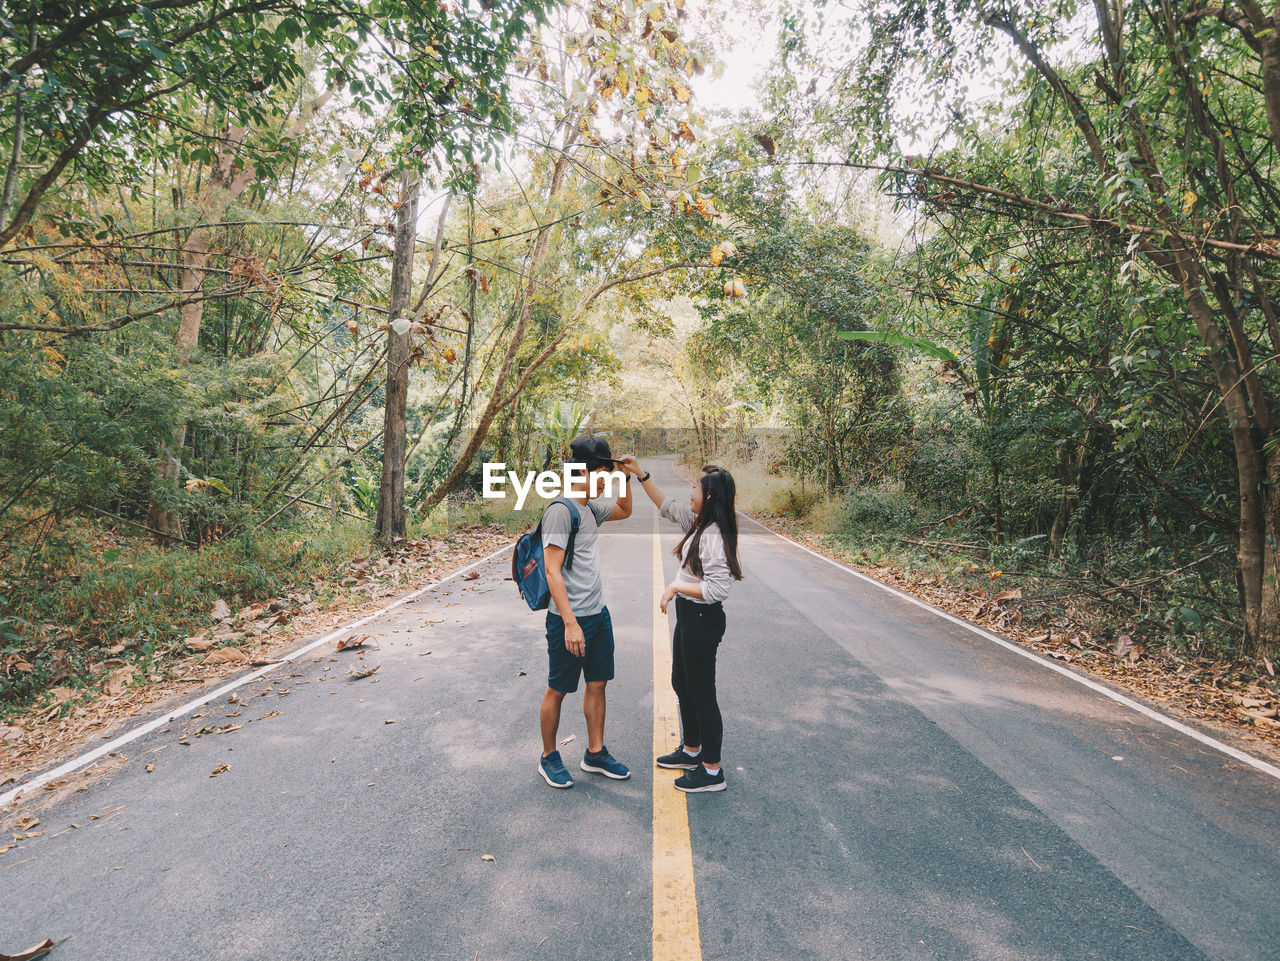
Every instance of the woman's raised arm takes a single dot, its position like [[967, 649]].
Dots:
[[632, 466]]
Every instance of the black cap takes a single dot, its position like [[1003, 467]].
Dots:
[[591, 450]]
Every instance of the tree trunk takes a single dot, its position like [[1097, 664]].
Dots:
[[391, 521]]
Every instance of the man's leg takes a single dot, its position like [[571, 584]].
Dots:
[[593, 708], [549, 718]]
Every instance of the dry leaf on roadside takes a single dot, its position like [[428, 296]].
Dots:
[[352, 642], [220, 769], [34, 951], [227, 655], [1013, 595], [1127, 646], [221, 610], [356, 675], [1261, 717], [488, 857], [119, 680], [200, 642], [62, 694]]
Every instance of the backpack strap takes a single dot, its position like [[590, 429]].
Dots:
[[575, 519]]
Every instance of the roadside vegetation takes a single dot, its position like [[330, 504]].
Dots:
[[106, 611], [985, 296]]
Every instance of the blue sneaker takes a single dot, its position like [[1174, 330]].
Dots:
[[553, 771], [606, 764]]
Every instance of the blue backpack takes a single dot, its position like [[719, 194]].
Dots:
[[529, 567]]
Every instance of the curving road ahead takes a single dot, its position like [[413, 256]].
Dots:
[[900, 787]]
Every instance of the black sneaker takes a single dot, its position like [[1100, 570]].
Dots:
[[677, 760], [699, 780]]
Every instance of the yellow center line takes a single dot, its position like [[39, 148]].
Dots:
[[675, 906]]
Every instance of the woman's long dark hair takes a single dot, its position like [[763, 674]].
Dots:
[[718, 492]]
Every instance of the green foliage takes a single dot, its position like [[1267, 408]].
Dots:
[[112, 87], [900, 340], [77, 423], [77, 598]]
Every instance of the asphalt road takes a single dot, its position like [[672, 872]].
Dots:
[[899, 788]]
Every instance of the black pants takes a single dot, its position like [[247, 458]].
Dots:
[[699, 630]]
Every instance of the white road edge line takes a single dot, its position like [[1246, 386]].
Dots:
[[75, 764], [1142, 709]]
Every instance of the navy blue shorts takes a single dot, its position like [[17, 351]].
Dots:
[[597, 665]]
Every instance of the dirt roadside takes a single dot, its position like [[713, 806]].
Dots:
[[258, 634]]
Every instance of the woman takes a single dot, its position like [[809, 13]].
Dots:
[[708, 555]]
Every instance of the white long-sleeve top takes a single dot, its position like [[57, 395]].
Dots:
[[716, 578]]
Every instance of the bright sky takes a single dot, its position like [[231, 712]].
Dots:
[[747, 46]]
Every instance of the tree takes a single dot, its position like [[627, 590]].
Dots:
[[1167, 117], [596, 185]]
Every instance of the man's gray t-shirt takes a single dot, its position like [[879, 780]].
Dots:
[[581, 581]]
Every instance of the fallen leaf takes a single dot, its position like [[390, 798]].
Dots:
[[472, 576], [227, 655], [352, 642], [356, 675], [488, 857], [389, 721], [1126, 645], [118, 680], [200, 642], [34, 951], [571, 737], [150, 768], [1013, 595], [1259, 715], [62, 694], [220, 769], [221, 610]]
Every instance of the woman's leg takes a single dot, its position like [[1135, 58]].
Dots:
[[701, 641], [680, 684]]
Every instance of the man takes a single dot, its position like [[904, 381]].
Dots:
[[579, 631]]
